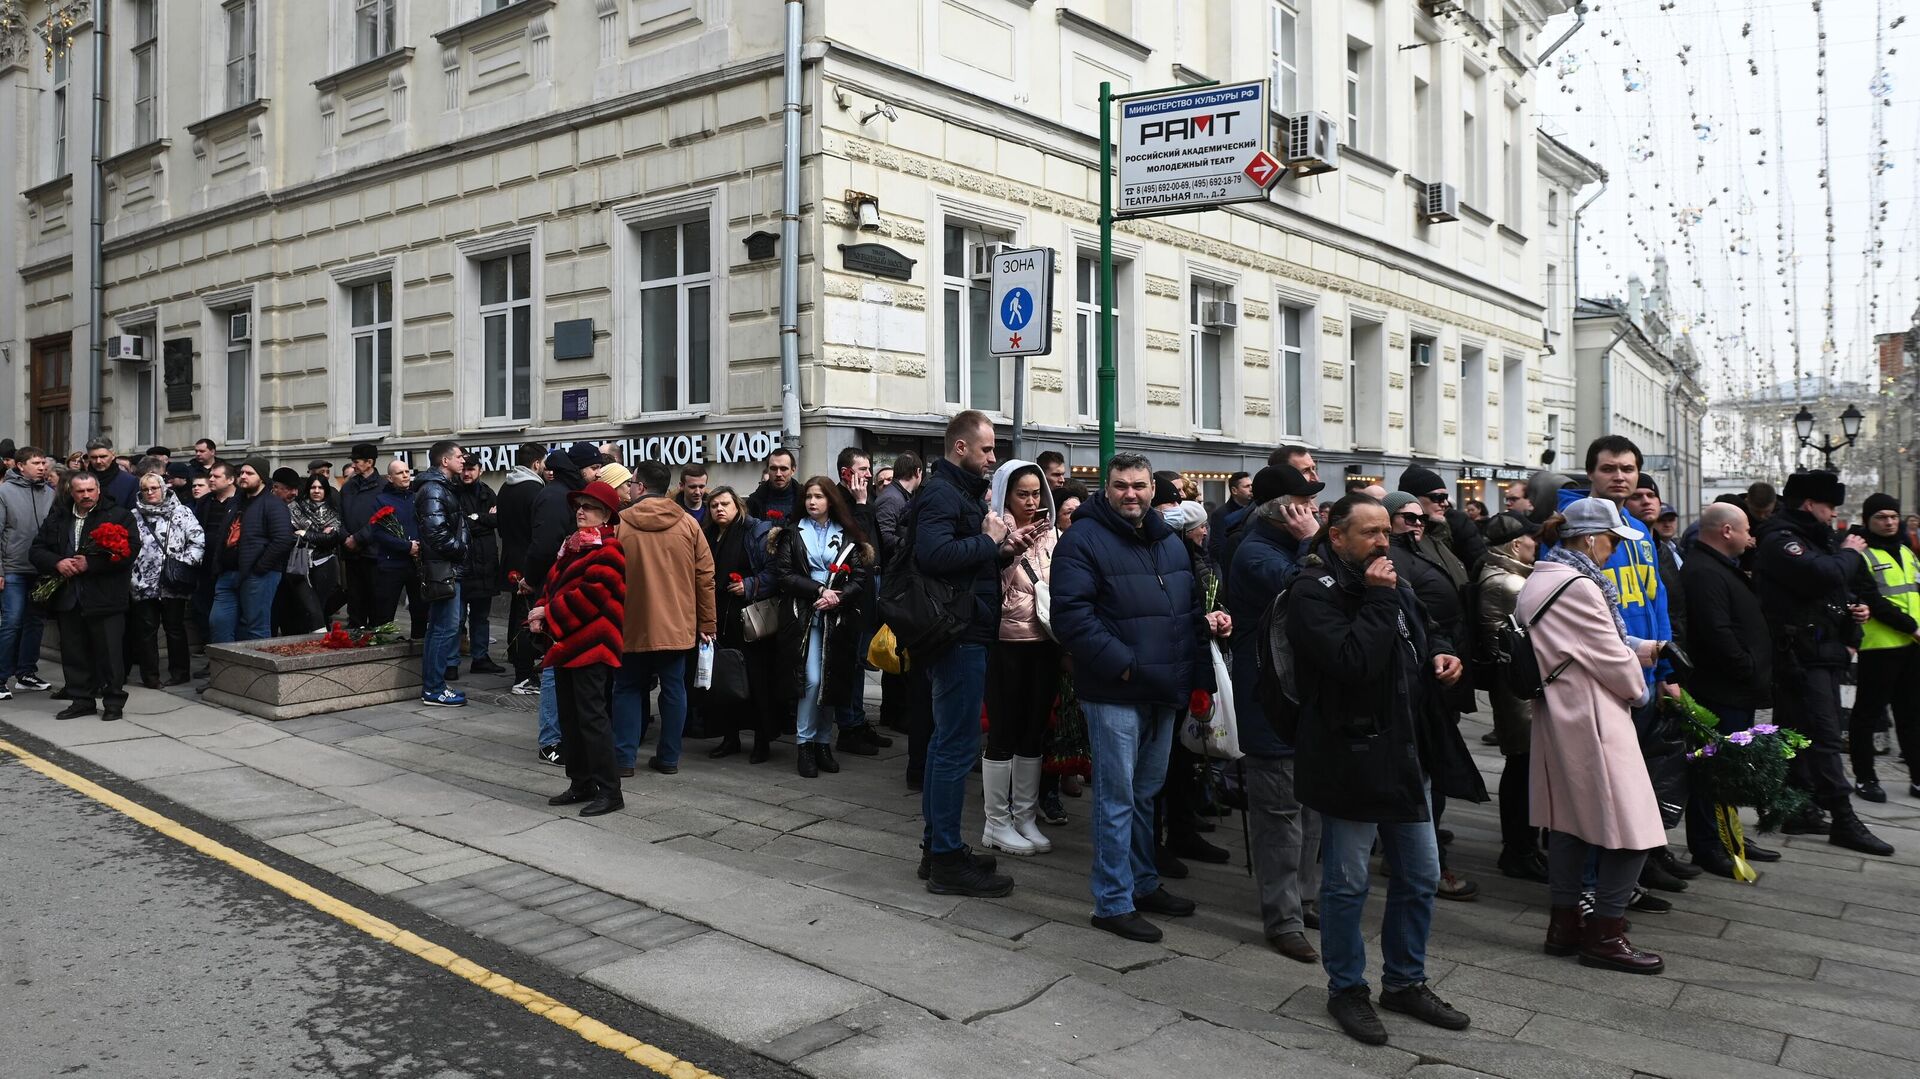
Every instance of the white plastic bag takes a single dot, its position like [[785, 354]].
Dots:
[[1214, 735], [703, 666]]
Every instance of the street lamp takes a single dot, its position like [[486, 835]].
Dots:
[[1849, 427]]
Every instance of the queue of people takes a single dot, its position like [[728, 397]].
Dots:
[[1077, 629]]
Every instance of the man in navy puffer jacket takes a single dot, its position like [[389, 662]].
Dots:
[[1126, 606]]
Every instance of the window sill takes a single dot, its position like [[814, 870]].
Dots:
[[678, 415], [144, 152], [256, 107], [391, 60], [41, 192], [520, 9], [1365, 158], [1474, 215], [502, 424], [1512, 234]]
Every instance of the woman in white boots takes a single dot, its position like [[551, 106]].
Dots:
[[1023, 670]]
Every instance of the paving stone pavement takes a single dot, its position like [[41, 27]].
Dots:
[[783, 914]]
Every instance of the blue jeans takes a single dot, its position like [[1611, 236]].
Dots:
[[1413, 855], [1130, 746], [806, 710], [549, 709], [479, 626], [20, 628], [442, 646], [959, 685], [242, 607], [630, 713]]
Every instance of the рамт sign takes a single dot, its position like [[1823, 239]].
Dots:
[[1189, 149]]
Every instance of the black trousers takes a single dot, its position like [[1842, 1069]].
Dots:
[[1516, 793], [91, 659], [388, 586], [1807, 699], [1022, 679], [296, 609], [916, 691], [359, 576], [519, 645], [1885, 680], [152, 619], [586, 727]]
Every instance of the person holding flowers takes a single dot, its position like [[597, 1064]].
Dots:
[[84, 553], [823, 563], [1589, 784]]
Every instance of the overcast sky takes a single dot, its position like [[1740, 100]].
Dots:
[[1696, 152]]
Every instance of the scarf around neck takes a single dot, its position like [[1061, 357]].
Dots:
[[1573, 559]]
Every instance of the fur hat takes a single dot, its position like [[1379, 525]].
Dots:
[[1818, 485]]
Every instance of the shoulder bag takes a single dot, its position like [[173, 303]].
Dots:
[[928, 615], [437, 580], [1042, 597]]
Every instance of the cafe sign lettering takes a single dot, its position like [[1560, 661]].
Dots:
[[707, 447]]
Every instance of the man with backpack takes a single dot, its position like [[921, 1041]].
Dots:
[[1283, 836]]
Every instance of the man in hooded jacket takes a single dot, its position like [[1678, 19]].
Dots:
[[1889, 646]]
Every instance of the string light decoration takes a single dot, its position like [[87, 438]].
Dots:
[[55, 29]]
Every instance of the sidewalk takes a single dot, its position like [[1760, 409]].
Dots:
[[783, 914]]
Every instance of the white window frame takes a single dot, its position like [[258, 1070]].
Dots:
[[1553, 206], [62, 79], [1473, 138], [958, 370], [247, 61], [471, 337], [1299, 354], [1552, 289], [217, 375], [1375, 423], [385, 15], [1201, 290], [343, 337], [1358, 102], [684, 282], [507, 310], [382, 365], [1085, 380], [628, 222], [146, 55], [1512, 155], [1430, 378], [1283, 57], [1473, 400], [1513, 407], [1128, 335], [145, 377]]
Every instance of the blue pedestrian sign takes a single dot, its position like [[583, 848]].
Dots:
[[1023, 301]]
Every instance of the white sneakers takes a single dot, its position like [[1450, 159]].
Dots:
[[1012, 793]]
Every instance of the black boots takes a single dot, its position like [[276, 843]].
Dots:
[[1847, 831], [957, 873]]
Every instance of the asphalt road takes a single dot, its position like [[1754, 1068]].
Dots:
[[126, 954]]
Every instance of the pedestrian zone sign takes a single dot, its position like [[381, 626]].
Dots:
[[1193, 148], [1022, 314]]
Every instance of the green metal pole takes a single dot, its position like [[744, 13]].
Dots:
[[1109, 323]]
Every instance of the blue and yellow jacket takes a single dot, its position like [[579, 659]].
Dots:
[[1635, 572]]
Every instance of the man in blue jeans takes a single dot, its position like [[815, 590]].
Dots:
[[25, 500], [1128, 610], [955, 541], [441, 552], [1366, 664], [669, 611], [250, 547]]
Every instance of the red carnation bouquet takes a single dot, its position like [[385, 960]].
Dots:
[[384, 519], [109, 541], [776, 515]]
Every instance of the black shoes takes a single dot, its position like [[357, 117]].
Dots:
[[453, 673], [663, 767], [1523, 863], [1653, 875], [1192, 846], [729, 746], [762, 749], [550, 755], [75, 710], [1757, 853], [602, 805], [986, 862], [1714, 860], [1170, 867], [1672, 864], [823, 757], [1871, 790], [958, 873], [570, 796], [110, 714], [1353, 1010], [1161, 901], [1647, 903], [805, 762], [485, 666], [1848, 832], [1809, 821], [1129, 925], [1295, 947], [857, 741], [1420, 1002], [1310, 913]]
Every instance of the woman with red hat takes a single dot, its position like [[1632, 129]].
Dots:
[[583, 608]]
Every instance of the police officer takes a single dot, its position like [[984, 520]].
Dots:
[[1889, 645], [1801, 577]]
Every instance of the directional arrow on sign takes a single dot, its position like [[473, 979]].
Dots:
[[1263, 169]]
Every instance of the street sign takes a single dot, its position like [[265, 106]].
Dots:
[[1264, 169], [1021, 322], [1192, 148]]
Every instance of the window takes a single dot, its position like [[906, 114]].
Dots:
[[61, 69], [1367, 383], [146, 33], [373, 29], [1510, 157], [1359, 94], [1425, 144], [240, 53], [145, 384], [1473, 144], [1473, 402], [1086, 337], [1206, 343], [506, 334], [371, 308], [1553, 207], [237, 325], [972, 374], [1283, 48], [1290, 358], [489, 6], [1513, 409], [676, 317], [1553, 298], [1423, 397]]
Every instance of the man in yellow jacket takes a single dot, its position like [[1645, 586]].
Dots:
[[670, 609], [1889, 649]]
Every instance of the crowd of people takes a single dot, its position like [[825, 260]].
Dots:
[[1057, 639]]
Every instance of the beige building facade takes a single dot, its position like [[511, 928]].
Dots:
[[392, 220]]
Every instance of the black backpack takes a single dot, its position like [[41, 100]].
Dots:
[[1277, 680], [1519, 666], [928, 616]]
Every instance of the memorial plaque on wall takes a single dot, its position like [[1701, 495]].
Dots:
[[176, 371]]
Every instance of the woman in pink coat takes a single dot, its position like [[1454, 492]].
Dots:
[[1589, 782]]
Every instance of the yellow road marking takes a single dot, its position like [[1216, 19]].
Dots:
[[648, 1056]]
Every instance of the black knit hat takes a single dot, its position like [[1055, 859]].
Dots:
[[1421, 480], [287, 477], [1648, 483], [1879, 503]]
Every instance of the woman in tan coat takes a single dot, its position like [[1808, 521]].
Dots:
[[1503, 571], [1589, 783]]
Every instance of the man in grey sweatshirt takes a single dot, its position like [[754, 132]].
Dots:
[[26, 497]]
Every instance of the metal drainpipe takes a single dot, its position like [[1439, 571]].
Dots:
[[1576, 242], [97, 298], [790, 235], [1580, 19]]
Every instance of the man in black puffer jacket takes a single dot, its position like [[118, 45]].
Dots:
[[480, 580], [954, 541], [518, 493], [569, 470], [443, 554]]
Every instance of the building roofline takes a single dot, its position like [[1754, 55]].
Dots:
[[1572, 160]]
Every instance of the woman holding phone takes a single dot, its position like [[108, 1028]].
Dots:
[[1023, 672]]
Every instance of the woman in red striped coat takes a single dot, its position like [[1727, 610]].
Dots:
[[583, 607]]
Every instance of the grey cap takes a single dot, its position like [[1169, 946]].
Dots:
[[1592, 516]]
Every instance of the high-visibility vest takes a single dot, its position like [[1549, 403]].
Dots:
[[1898, 576]]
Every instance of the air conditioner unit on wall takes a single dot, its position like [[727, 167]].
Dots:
[[1312, 144], [1422, 354], [127, 349], [980, 259], [240, 326], [1439, 202], [1219, 314]]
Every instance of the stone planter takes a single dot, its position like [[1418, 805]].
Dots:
[[287, 687]]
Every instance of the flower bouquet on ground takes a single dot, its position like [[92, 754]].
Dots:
[[1068, 751], [1741, 768], [109, 541]]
